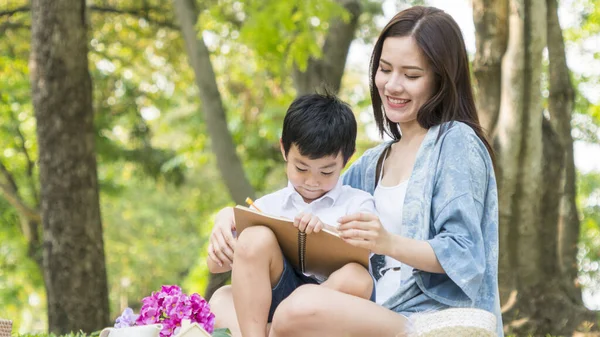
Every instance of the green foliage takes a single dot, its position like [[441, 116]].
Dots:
[[586, 128], [281, 33], [589, 240], [582, 37]]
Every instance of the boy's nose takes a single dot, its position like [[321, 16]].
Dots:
[[311, 182]]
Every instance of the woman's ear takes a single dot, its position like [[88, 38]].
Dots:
[[282, 149]]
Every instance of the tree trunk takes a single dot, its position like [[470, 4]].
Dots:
[[73, 254], [561, 102], [491, 25], [538, 219], [328, 70], [228, 162], [520, 139], [491, 35]]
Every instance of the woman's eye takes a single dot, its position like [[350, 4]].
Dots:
[[385, 71], [300, 170], [412, 77]]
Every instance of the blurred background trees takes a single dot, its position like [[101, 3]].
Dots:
[[188, 99]]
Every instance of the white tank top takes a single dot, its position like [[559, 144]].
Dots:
[[388, 272]]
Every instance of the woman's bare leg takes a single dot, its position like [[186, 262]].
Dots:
[[313, 310], [257, 267], [351, 279], [221, 304]]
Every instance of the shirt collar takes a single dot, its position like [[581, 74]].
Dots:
[[332, 195]]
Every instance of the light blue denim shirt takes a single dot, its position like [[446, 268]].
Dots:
[[452, 203]]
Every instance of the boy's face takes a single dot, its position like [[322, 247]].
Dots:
[[312, 178]]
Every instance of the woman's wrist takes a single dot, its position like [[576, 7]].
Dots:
[[393, 245]]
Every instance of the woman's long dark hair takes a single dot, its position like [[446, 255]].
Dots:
[[439, 38]]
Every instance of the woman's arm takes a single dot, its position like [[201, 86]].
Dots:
[[416, 253], [365, 230]]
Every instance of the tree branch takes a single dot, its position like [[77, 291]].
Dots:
[[222, 143], [143, 13], [136, 12], [9, 178], [329, 69], [30, 163], [14, 11], [10, 192]]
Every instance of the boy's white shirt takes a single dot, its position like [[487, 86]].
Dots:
[[341, 200]]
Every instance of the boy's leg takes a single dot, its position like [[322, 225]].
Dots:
[[257, 267], [221, 304], [352, 279]]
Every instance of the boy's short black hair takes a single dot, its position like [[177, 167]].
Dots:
[[320, 125]]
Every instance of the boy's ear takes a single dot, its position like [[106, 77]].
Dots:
[[282, 149]]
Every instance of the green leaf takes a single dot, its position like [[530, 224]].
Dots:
[[223, 332]]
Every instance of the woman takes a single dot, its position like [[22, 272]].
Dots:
[[435, 242]]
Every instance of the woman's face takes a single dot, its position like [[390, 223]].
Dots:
[[404, 79]]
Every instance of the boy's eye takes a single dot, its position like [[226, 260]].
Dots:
[[300, 170], [327, 173]]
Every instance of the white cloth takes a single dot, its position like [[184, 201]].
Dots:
[[391, 273], [341, 200]]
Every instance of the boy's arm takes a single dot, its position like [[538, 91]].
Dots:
[[214, 268], [222, 242], [365, 204]]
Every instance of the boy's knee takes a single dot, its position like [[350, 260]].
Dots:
[[220, 295], [354, 279], [254, 241], [296, 309]]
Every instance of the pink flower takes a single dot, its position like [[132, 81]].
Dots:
[[170, 306]]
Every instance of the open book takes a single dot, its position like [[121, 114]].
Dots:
[[318, 254]]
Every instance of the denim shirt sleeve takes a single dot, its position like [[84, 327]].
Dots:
[[457, 210], [354, 175], [362, 173]]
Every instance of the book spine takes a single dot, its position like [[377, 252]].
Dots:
[[302, 250]]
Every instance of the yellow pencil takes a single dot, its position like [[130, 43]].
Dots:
[[251, 203]]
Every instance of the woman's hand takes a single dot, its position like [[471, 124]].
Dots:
[[222, 242], [308, 223], [365, 230]]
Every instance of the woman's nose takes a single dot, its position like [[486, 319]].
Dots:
[[394, 85]]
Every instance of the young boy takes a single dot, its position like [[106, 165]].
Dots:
[[318, 139]]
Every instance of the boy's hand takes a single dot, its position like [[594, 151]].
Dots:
[[308, 223], [222, 242]]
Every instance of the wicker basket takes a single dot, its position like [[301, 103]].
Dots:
[[5, 328], [464, 322]]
